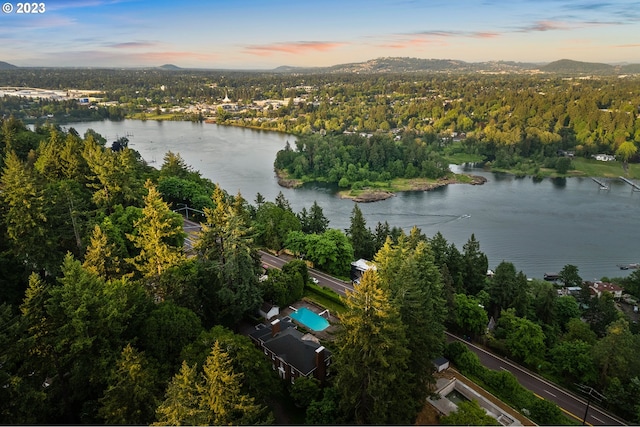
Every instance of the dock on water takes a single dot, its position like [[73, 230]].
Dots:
[[635, 186], [603, 186]]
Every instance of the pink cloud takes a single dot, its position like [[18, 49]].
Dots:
[[484, 35], [632, 45], [293, 48], [432, 38], [410, 43]]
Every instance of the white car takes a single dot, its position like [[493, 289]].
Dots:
[[314, 280]]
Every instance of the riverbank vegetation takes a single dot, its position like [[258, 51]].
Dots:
[[98, 282], [533, 124]]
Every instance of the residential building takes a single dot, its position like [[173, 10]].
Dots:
[[292, 353], [599, 288]]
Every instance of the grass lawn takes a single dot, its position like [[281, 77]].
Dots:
[[596, 168], [332, 306]]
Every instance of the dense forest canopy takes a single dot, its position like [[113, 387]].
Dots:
[[506, 118]]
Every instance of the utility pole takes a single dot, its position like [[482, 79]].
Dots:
[[591, 394]]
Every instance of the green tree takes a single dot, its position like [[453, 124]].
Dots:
[[24, 213], [114, 176], [77, 330], [469, 316], [159, 237], [181, 405], [226, 241], [476, 265], [314, 221], [101, 258], [330, 251], [567, 308], [415, 284], [360, 236], [616, 353], [324, 411], [523, 338], [569, 276], [625, 151], [508, 289], [166, 331], [545, 413], [221, 398], [372, 356], [573, 361], [273, 224], [601, 312], [130, 397], [259, 380], [577, 330], [304, 391]]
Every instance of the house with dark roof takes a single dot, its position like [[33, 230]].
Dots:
[[292, 353]]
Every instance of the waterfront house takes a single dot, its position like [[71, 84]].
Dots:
[[599, 288], [292, 353]]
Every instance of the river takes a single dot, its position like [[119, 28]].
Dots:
[[538, 226]]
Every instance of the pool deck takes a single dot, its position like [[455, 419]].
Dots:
[[328, 334]]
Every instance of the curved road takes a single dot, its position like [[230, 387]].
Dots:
[[570, 404]]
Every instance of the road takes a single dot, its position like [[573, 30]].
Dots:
[[324, 279], [570, 404]]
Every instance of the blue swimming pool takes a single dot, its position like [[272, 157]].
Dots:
[[309, 319]]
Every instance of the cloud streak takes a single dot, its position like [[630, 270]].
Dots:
[[133, 45], [295, 48]]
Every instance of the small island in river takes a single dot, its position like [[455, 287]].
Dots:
[[384, 190]]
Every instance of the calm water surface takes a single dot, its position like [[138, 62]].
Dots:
[[538, 226]]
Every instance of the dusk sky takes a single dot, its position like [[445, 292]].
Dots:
[[253, 34]]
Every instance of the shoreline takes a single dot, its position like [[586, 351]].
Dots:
[[374, 195], [369, 194]]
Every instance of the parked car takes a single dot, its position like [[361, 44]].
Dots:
[[314, 280]]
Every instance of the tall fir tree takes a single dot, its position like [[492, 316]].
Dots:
[[221, 397], [159, 236], [181, 405], [415, 287], [361, 237], [226, 242], [130, 397], [372, 358], [475, 267], [24, 215], [101, 258]]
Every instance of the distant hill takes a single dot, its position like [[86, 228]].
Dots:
[[577, 67], [405, 65], [408, 65], [630, 69], [169, 67], [7, 66]]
